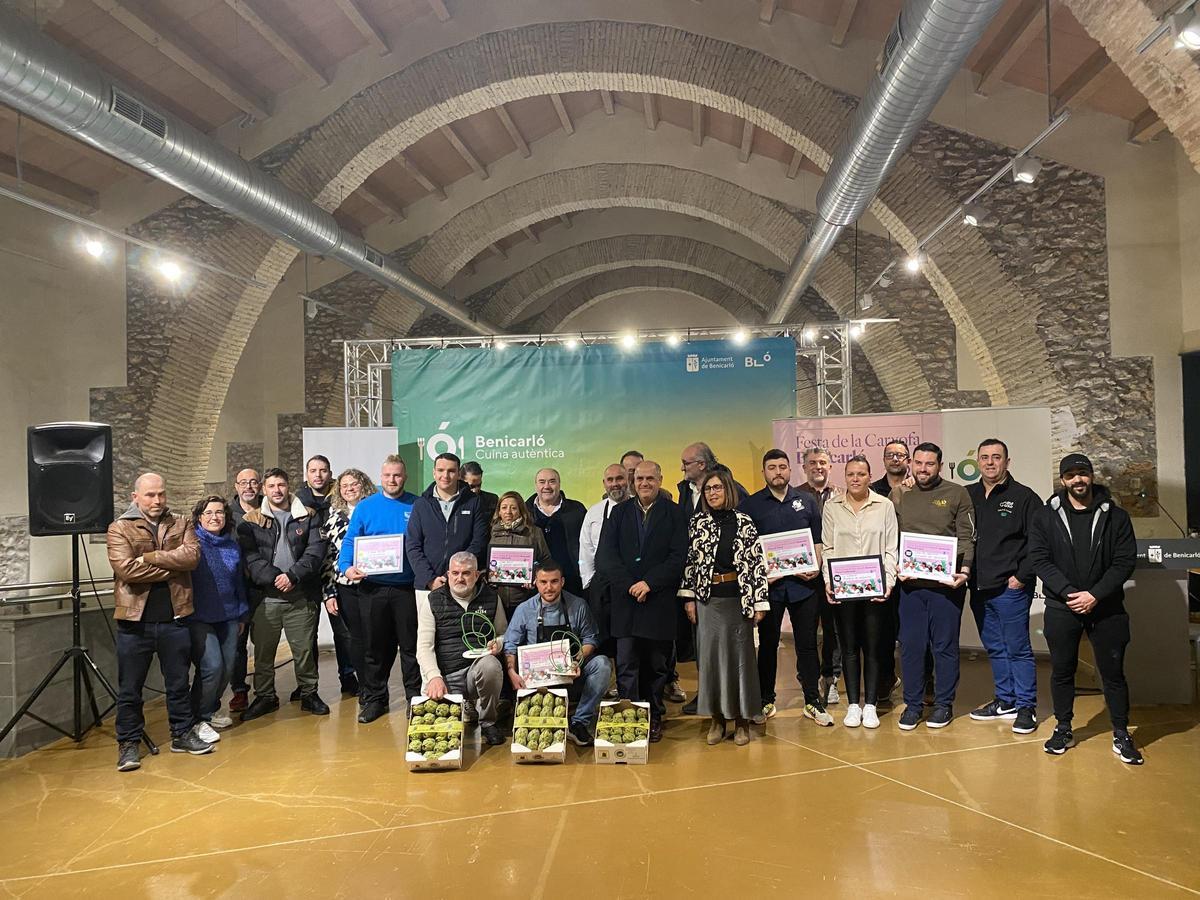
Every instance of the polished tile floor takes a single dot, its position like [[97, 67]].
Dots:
[[293, 806]]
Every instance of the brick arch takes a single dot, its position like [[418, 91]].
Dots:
[[176, 406]]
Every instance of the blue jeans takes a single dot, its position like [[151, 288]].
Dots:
[[214, 646], [930, 616], [137, 645], [590, 684], [1002, 615]]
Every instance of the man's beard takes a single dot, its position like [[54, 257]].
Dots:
[[462, 594], [616, 496]]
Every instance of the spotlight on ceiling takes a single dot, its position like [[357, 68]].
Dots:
[[885, 280], [856, 330], [867, 301], [1185, 29], [673, 340], [740, 336], [1025, 169], [975, 215], [629, 340], [810, 334], [93, 247], [913, 263], [498, 345], [571, 343], [170, 270]]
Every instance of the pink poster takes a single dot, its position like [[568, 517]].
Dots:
[[846, 436]]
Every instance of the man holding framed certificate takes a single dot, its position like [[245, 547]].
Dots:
[[937, 548]]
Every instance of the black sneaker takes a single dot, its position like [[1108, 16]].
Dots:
[[1124, 747], [689, 708], [190, 742], [580, 735], [260, 706], [371, 711], [940, 717], [910, 717], [1026, 721], [1061, 741], [128, 757], [993, 710], [492, 735], [314, 704]]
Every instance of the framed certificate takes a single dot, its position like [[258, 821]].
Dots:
[[510, 565], [857, 578], [789, 553], [928, 556], [379, 555], [545, 664]]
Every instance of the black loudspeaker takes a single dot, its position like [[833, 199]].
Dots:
[[70, 478]]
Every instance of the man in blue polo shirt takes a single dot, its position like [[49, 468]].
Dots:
[[780, 507], [388, 606]]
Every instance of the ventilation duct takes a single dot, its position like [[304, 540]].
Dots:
[[920, 57], [47, 82]]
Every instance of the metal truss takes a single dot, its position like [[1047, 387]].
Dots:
[[366, 362]]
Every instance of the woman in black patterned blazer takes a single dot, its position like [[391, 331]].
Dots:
[[725, 594]]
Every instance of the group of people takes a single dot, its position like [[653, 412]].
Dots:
[[642, 580]]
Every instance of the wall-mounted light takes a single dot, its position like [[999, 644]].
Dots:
[[170, 270], [310, 309], [1185, 29], [913, 263], [1025, 169], [976, 215], [94, 247], [866, 301]]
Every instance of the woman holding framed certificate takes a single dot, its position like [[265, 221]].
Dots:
[[860, 533], [510, 530], [725, 595]]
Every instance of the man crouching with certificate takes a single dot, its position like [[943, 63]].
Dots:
[[540, 619]]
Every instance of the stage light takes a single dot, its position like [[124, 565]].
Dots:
[[170, 270], [867, 300], [629, 340], [672, 340], [498, 345], [975, 215], [810, 334], [310, 308], [1185, 28], [856, 330], [914, 262], [571, 343], [885, 280], [93, 248], [1025, 169], [740, 336]]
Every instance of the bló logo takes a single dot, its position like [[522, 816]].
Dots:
[[752, 363], [443, 442], [965, 469]]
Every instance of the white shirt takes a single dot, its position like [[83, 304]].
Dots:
[[427, 631], [872, 531], [589, 538]]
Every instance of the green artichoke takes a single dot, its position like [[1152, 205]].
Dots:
[[441, 747], [442, 709], [523, 708], [628, 736], [560, 711], [559, 736], [428, 745], [606, 713], [521, 735]]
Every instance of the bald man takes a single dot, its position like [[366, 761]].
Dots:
[[152, 553], [248, 497], [561, 521]]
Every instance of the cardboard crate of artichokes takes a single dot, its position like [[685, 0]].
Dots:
[[623, 726], [435, 727], [540, 720]]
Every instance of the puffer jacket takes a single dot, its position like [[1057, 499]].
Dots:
[[258, 535], [518, 534], [169, 553]]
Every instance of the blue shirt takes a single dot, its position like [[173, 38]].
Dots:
[[523, 627], [797, 509], [378, 514]]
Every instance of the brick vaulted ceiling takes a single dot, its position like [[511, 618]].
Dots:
[[455, 123]]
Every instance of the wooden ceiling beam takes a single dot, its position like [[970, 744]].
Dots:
[[606, 100], [793, 168], [1145, 127], [1021, 29], [747, 141], [440, 10], [845, 19], [565, 219], [1081, 84], [531, 234], [34, 128], [364, 25], [420, 177], [564, 117], [77, 197], [464, 151], [697, 123], [187, 58], [766, 10], [650, 110], [388, 207], [513, 131], [283, 45]]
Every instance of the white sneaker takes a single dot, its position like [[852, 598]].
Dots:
[[220, 721], [853, 716], [831, 695], [207, 733], [870, 718]]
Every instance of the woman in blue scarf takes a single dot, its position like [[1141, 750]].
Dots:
[[221, 609]]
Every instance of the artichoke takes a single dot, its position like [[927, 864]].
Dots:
[[440, 720], [442, 709], [628, 736], [441, 747], [415, 745], [560, 711], [523, 708], [521, 735], [428, 745], [452, 741], [606, 713], [643, 715], [430, 754], [559, 736]]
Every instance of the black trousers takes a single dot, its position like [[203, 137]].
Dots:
[[388, 613], [643, 671], [1108, 630], [890, 628], [341, 642], [350, 614], [803, 615], [137, 645], [860, 623]]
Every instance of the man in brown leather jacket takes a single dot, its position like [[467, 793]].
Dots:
[[152, 553]]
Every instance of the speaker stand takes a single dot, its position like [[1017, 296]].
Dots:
[[83, 669]]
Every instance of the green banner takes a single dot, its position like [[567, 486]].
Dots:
[[519, 409]]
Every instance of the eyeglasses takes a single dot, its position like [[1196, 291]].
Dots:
[[213, 514], [248, 482], [895, 456], [714, 488], [690, 462]]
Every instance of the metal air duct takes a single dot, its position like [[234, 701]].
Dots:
[[48, 82], [925, 49]]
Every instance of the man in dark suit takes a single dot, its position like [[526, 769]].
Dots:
[[643, 548]]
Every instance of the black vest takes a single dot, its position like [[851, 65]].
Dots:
[[448, 620]]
